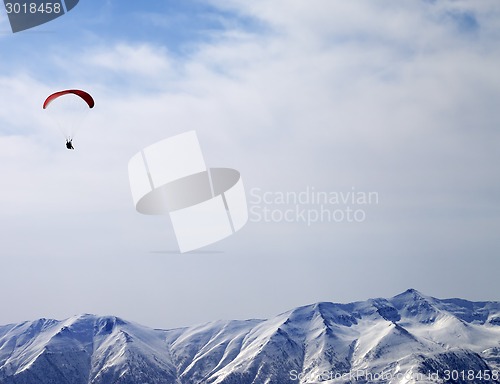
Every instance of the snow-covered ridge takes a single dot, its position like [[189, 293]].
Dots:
[[404, 339]]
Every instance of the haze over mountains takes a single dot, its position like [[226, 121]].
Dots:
[[408, 338]]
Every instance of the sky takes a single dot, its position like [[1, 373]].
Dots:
[[366, 134]]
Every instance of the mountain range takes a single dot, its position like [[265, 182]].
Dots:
[[409, 338]]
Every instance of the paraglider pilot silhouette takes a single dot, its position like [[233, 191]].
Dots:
[[69, 108]]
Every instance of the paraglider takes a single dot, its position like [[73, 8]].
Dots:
[[68, 108]]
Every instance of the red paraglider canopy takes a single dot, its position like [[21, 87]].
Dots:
[[84, 95]]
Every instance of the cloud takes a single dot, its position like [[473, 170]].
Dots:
[[142, 60], [397, 98], [364, 86], [360, 78]]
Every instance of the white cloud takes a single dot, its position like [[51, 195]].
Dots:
[[141, 59], [381, 96], [347, 82]]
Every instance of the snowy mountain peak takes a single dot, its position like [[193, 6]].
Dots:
[[106, 325], [407, 333], [409, 296], [414, 304]]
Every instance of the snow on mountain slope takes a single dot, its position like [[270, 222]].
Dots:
[[83, 349], [406, 339], [200, 351]]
